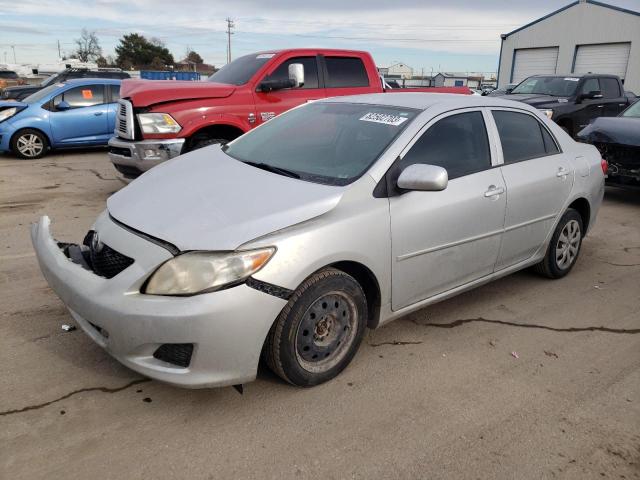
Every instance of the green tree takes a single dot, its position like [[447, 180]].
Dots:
[[194, 57], [135, 50], [88, 46]]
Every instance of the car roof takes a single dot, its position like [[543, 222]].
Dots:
[[89, 80], [422, 101]]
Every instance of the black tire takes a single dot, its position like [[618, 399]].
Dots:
[[36, 139], [202, 142], [551, 266], [302, 330]]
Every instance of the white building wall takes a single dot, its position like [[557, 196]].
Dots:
[[581, 24], [400, 69]]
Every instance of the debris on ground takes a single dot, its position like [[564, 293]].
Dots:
[[492, 342], [597, 286], [68, 328], [514, 354], [549, 353]]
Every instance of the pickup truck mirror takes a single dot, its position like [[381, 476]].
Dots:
[[593, 94], [426, 178], [509, 90], [296, 74]]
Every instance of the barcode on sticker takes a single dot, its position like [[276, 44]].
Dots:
[[385, 118]]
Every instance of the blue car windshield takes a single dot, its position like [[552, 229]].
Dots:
[[40, 94]]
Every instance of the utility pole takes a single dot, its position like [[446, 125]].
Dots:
[[230, 25], [59, 55], [13, 47]]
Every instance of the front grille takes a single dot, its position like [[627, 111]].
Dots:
[[128, 171], [175, 353], [103, 259], [124, 122]]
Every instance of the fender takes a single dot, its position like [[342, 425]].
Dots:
[[215, 120]]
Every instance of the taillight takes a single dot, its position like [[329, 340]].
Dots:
[[604, 165]]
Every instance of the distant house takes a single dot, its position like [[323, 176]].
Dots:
[[449, 80], [397, 70]]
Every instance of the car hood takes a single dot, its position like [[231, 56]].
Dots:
[[206, 200], [150, 92], [534, 100], [619, 130]]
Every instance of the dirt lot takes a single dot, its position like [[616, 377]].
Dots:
[[437, 394]]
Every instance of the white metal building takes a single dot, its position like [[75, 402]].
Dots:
[[400, 70], [584, 36]]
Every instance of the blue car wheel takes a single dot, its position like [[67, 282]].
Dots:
[[29, 144]]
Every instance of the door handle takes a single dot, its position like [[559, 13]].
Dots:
[[493, 191], [562, 172], [98, 113], [600, 106]]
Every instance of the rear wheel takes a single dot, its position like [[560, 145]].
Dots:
[[564, 247], [30, 144], [319, 331]]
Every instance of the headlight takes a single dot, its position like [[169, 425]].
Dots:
[[158, 123], [548, 113], [7, 113], [202, 272]]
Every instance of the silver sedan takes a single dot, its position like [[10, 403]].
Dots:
[[337, 216]]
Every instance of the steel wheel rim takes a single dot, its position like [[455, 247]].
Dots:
[[30, 145], [568, 245], [326, 332]]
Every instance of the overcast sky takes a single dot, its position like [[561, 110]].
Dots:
[[444, 35]]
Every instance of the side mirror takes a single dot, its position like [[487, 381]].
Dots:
[[593, 94], [509, 90], [426, 178], [62, 106], [296, 74]]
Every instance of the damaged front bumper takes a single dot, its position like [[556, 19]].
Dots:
[[134, 157], [218, 336]]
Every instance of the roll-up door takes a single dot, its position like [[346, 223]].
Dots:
[[534, 61]]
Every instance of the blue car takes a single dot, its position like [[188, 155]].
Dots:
[[75, 113]]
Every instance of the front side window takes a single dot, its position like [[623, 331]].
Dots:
[[346, 72], [310, 71], [329, 143], [610, 88], [522, 137], [79, 97], [590, 85], [554, 86], [457, 143]]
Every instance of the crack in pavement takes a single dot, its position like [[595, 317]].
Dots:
[[395, 342], [621, 264], [92, 170], [457, 323], [75, 392]]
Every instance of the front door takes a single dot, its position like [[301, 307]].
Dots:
[[85, 121], [441, 240], [591, 107], [538, 177], [270, 104]]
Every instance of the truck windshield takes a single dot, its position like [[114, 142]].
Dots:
[[632, 111], [329, 143], [50, 80], [555, 86], [241, 69]]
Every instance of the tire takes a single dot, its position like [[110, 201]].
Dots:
[[29, 144], [202, 142], [319, 331], [564, 247]]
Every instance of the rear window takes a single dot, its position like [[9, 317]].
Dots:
[[346, 72]]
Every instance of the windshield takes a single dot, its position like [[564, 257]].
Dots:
[[40, 94], [330, 143], [555, 86], [241, 69], [50, 80], [8, 74], [632, 111]]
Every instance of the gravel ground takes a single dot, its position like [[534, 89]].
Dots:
[[434, 395]]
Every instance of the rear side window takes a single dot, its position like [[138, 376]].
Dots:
[[457, 143], [521, 136], [610, 88], [346, 72], [310, 71], [85, 96], [549, 145]]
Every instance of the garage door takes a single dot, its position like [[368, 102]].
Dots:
[[604, 58], [534, 61]]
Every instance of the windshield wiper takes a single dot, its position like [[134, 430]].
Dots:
[[273, 169]]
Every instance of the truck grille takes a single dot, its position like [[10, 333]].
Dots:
[[125, 127]]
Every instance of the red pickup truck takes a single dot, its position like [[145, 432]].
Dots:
[[158, 120]]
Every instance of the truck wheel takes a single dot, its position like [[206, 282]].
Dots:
[[205, 142], [318, 332], [564, 248], [29, 143]]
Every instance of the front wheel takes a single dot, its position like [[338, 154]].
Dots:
[[202, 142], [319, 331], [30, 144], [564, 247]]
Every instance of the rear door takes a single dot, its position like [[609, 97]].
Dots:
[[538, 177], [441, 240], [613, 97], [113, 95], [270, 104], [346, 76], [86, 121]]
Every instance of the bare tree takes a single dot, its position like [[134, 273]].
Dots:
[[88, 46]]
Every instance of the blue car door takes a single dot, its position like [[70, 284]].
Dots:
[[79, 116], [112, 107]]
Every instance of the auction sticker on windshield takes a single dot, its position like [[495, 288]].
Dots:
[[384, 118]]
